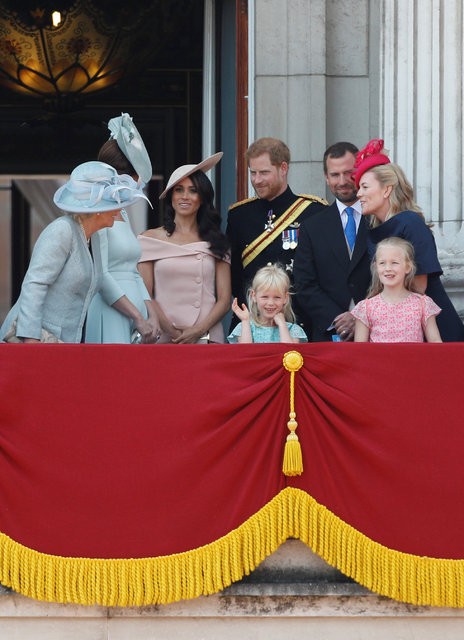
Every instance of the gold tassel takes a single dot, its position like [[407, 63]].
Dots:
[[293, 459]]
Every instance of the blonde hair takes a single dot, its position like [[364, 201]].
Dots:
[[402, 195], [270, 277], [408, 250]]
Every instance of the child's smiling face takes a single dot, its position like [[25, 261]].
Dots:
[[392, 266], [270, 302]]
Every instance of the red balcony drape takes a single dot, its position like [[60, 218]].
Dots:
[[162, 465]]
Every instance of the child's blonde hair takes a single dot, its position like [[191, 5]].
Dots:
[[270, 277], [398, 243]]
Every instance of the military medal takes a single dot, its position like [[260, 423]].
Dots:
[[289, 238], [293, 238], [285, 240], [269, 224], [294, 229]]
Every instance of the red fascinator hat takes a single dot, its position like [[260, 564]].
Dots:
[[371, 156]]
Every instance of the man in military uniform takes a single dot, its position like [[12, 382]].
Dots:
[[265, 229]]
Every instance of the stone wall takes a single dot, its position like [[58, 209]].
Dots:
[[421, 116], [316, 78], [292, 595], [328, 70]]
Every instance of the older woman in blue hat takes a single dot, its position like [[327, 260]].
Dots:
[[122, 307], [62, 276]]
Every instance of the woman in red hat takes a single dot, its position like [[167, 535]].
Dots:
[[387, 196]]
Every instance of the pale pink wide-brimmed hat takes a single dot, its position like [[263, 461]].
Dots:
[[187, 169]]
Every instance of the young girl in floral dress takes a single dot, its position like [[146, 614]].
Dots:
[[393, 311], [269, 316]]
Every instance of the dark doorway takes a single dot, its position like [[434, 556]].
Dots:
[[164, 97], [163, 94]]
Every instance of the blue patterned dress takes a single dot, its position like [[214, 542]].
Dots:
[[268, 334]]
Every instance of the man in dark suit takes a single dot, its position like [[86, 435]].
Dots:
[[332, 268]]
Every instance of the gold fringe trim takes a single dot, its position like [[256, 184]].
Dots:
[[234, 205], [309, 196], [209, 569], [293, 458]]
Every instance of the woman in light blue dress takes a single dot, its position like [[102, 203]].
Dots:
[[122, 306]]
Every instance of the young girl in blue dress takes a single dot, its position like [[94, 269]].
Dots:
[[269, 316]]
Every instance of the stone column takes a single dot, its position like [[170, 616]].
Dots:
[[310, 62], [421, 116], [290, 87]]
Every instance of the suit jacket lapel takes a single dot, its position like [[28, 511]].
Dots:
[[360, 245], [335, 235]]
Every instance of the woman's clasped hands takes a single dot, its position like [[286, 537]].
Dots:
[[149, 329], [186, 335]]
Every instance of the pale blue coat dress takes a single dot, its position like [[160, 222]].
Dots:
[[58, 286], [118, 251]]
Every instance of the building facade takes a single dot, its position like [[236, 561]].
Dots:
[[328, 70], [317, 71]]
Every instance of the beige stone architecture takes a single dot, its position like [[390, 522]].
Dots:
[[421, 116], [328, 70], [320, 71], [292, 595]]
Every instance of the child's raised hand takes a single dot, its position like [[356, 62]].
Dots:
[[242, 312]]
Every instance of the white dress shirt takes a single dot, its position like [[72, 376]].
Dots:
[[357, 215]]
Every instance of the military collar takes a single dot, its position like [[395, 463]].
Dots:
[[281, 203]]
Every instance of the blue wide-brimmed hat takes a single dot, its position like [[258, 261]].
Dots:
[[129, 140], [95, 187]]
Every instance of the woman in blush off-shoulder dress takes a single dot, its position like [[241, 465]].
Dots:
[[387, 196], [185, 263]]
